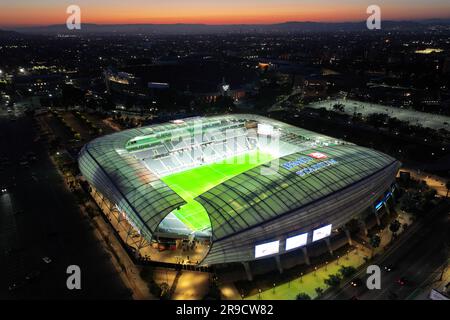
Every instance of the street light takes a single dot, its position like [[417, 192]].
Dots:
[[259, 294], [326, 265], [274, 288]]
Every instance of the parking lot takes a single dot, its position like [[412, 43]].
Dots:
[[433, 121]]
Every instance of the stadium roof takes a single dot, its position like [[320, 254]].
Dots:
[[140, 193], [252, 198], [239, 203]]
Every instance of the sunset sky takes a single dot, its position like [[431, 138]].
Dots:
[[45, 12]]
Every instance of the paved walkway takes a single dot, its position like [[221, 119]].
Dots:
[[309, 282], [191, 286]]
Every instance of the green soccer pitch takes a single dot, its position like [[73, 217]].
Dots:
[[192, 183]]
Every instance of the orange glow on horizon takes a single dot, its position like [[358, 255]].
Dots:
[[29, 15]]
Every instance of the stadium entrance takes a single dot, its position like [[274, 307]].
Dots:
[[166, 248]]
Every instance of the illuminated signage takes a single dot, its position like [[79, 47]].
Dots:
[[378, 206], [317, 155], [267, 249], [315, 167], [294, 163], [321, 233], [306, 159], [296, 241]]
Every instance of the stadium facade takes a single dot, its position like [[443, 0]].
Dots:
[[252, 187]]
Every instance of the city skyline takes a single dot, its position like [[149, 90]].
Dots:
[[48, 12]]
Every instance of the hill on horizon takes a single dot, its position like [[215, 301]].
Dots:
[[184, 28]]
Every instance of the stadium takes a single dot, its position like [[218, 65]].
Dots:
[[232, 188]]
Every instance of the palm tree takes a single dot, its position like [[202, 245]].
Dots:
[[319, 291], [333, 280], [374, 241], [447, 185], [394, 227], [303, 296]]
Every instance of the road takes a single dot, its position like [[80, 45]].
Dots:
[[39, 217], [416, 256]]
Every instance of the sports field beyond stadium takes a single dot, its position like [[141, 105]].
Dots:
[[192, 183]]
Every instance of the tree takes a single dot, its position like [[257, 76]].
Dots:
[[319, 291], [394, 227], [377, 119], [333, 280], [447, 185], [374, 242], [302, 296], [347, 272], [165, 291], [214, 292], [429, 195]]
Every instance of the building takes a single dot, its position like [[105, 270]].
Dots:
[[122, 83], [244, 188]]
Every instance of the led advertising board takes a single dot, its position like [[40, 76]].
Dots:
[[267, 249], [378, 206], [321, 233], [296, 241]]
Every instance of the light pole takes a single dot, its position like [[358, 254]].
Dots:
[[259, 294], [301, 277], [326, 265], [274, 288], [337, 261], [315, 271]]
